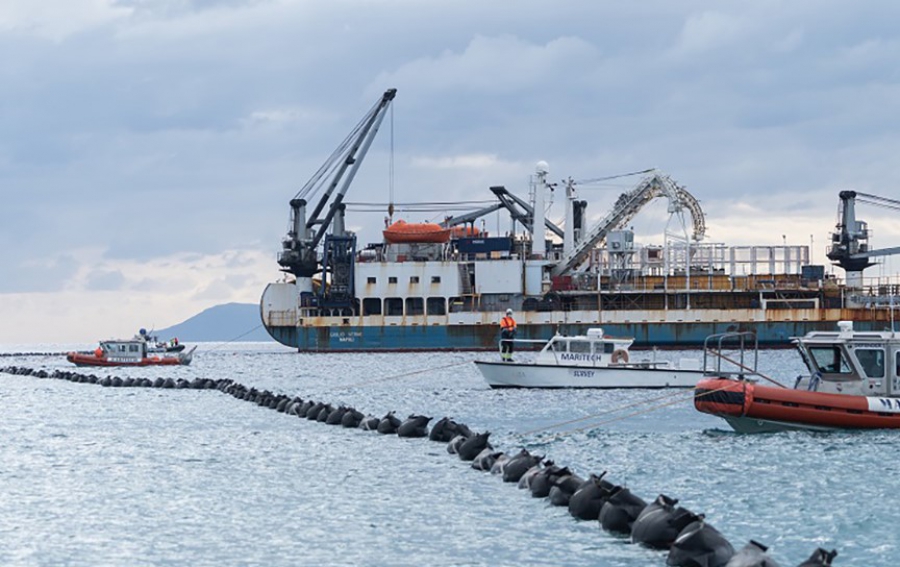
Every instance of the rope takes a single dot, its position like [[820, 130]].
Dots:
[[404, 375], [220, 345], [694, 395], [614, 410]]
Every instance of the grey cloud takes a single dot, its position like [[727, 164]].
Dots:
[[189, 125]]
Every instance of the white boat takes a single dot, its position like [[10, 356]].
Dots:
[[593, 360]]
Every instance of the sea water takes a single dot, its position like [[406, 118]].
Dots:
[[141, 476]]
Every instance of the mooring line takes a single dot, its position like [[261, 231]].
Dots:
[[614, 410], [404, 375], [694, 395], [220, 345]]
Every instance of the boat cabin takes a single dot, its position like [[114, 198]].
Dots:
[[593, 349], [851, 362], [127, 350]]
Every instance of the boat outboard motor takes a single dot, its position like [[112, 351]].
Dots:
[[660, 522], [518, 465], [820, 558], [414, 426], [620, 511], [563, 488], [700, 545], [389, 423], [587, 501], [446, 429], [474, 445], [752, 555]]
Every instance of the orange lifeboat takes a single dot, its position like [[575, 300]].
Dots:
[[421, 232], [464, 232]]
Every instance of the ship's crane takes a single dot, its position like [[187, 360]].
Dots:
[[850, 240], [518, 209], [299, 254], [626, 207]]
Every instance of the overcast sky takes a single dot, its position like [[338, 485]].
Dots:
[[149, 148]]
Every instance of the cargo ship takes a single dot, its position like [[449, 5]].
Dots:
[[445, 286]]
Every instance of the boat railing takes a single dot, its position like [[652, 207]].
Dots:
[[714, 346]]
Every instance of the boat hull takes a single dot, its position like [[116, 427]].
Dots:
[[90, 359], [514, 375], [752, 408]]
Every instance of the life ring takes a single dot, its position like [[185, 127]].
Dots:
[[619, 355]]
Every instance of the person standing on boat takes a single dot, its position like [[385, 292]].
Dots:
[[507, 334]]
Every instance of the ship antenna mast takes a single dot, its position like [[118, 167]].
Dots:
[[391, 173]]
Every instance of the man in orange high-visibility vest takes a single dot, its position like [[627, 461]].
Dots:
[[507, 333]]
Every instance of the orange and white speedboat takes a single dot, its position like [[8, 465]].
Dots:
[[128, 352], [853, 383]]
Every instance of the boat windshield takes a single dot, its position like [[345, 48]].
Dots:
[[583, 347], [872, 361], [830, 359]]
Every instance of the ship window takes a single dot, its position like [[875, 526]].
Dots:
[[436, 306], [435, 279], [392, 279], [872, 361], [461, 304], [413, 279], [829, 359], [608, 348], [580, 347], [897, 356], [371, 306], [133, 348], [393, 306], [371, 279], [560, 346], [415, 306]]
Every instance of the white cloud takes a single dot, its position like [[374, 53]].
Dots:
[[502, 64], [57, 19], [708, 31], [108, 297], [471, 161]]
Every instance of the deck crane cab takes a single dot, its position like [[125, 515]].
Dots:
[[325, 224], [849, 247]]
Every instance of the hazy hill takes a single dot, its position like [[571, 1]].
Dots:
[[231, 321]]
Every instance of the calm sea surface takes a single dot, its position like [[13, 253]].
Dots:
[[141, 476]]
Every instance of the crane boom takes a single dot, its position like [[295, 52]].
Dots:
[[628, 205], [299, 255]]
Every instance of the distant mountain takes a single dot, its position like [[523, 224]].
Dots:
[[231, 321]]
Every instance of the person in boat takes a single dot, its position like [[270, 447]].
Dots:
[[507, 334]]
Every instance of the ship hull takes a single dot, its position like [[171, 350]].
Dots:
[[482, 337]]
